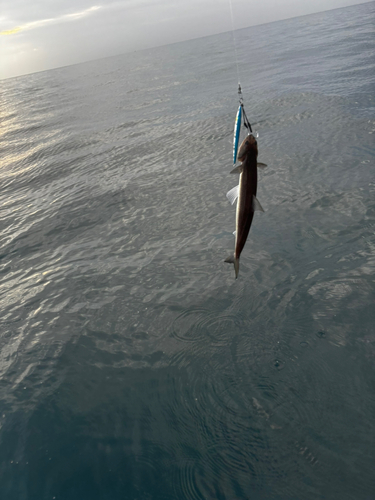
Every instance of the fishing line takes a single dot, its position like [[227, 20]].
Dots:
[[234, 45], [240, 97]]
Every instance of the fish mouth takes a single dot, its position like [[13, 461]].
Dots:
[[251, 143], [251, 140]]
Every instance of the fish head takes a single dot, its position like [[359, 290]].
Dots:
[[249, 146]]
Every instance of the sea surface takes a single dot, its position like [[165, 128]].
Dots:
[[133, 366]]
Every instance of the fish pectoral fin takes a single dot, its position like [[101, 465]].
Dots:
[[232, 195], [260, 165], [237, 170], [234, 233], [257, 205]]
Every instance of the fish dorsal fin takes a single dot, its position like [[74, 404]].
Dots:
[[237, 170], [232, 195], [260, 165], [256, 205]]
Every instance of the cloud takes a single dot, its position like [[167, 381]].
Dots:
[[11, 32], [53, 20]]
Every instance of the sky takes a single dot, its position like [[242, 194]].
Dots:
[[36, 35]]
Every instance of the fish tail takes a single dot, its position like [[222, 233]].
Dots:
[[236, 261]]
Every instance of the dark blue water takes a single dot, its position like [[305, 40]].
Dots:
[[132, 364]]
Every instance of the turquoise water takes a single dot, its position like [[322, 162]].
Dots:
[[132, 364]]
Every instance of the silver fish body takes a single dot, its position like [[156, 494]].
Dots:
[[245, 192]]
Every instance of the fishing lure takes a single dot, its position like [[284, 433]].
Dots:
[[237, 125], [236, 133]]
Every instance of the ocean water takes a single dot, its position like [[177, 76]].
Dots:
[[132, 364]]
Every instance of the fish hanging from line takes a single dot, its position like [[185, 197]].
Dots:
[[236, 133], [245, 192]]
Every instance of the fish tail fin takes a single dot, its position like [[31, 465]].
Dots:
[[236, 261]]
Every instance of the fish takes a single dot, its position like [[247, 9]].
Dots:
[[245, 192]]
